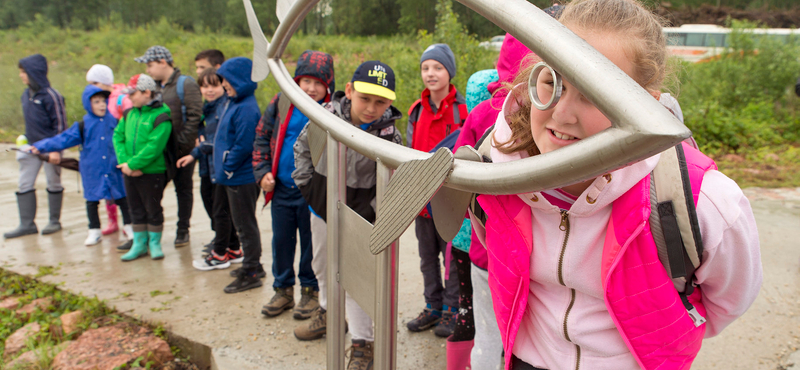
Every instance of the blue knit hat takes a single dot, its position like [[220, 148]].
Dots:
[[442, 54]]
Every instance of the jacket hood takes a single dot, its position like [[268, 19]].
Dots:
[[512, 53], [86, 98], [341, 105], [36, 68], [317, 65], [237, 72]]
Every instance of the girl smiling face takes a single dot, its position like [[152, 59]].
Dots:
[[574, 117]]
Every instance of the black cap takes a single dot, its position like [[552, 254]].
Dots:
[[375, 78]]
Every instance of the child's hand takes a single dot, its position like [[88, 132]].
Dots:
[[267, 182], [136, 173], [185, 161], [125, 169], [53, 157], [33, 150]]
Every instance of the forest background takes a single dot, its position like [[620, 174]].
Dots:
[[741, 106]]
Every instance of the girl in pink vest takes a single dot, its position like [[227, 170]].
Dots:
[[574, 272]]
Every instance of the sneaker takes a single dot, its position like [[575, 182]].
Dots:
[[309, 302], [361, 356], [236, 256], [212, 262], [128, 231], [314, 329], [181, 238], [447, 325], [125, 247], [426, 319], [245, 280], [259, 274], [94, 237], [282, 300]]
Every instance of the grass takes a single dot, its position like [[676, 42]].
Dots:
[[95, 314]]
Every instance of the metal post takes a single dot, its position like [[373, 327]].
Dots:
[[336, 188], [386, 294]]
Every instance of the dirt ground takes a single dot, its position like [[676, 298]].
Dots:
[[228, 332]]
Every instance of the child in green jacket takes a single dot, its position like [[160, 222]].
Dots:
[[139, 141]]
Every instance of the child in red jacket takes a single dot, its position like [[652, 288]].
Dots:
[[440, 111]]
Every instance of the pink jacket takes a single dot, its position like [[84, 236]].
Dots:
[[596, 294], [512, 54]]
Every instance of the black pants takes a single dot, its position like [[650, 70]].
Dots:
[[242, 200], [225, 234], [183, 189], [517, 364], [431, 247], [465, 324], [207, 194], [94, 216], [144, 200]]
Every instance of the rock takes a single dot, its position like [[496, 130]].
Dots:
[[42, 304], [793, 362], [30, 359], [112, 346], [9, 303], [70, 321], [19, 340]]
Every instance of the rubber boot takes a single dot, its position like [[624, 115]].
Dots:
[[27, 212], [458, 354], [139, 247], [113, 225], [154, 243], [54, 201]]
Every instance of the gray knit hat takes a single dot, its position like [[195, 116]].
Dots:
[[442, 54], [157, 52]]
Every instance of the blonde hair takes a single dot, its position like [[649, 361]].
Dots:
[[646, 49]]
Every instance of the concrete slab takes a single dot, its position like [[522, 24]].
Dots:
[[225, 331]]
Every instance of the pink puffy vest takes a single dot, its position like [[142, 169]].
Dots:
[[639, 295]]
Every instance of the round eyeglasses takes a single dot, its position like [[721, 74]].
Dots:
[[542, 83]]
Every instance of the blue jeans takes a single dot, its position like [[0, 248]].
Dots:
[[290, 214]]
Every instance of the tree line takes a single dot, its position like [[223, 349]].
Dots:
[[348, 17]]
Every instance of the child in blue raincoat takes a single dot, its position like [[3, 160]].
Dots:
[[98, 162]]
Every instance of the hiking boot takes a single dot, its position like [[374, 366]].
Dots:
[[245, 280], [361, 356], [212, 262], [309, 302], [207, 250], [236, 256], [181, 238], [426, 319], [124, 247], [259, 274], [282, 300], [447, 325], [314, 329]]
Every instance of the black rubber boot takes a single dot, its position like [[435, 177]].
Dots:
[[27, 212], [54, 202]]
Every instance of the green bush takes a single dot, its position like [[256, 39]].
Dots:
[[742, 99]]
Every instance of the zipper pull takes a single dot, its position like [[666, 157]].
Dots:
[[564, 220]]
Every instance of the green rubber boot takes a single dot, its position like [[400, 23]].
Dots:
[[139, 247], [154, 243]]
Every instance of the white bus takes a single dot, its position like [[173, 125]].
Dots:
[[697, 42]]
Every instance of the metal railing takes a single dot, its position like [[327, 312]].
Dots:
[[641, 127]]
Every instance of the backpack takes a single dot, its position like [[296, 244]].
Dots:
[[673, 219], [459, 110], [182, 94]]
